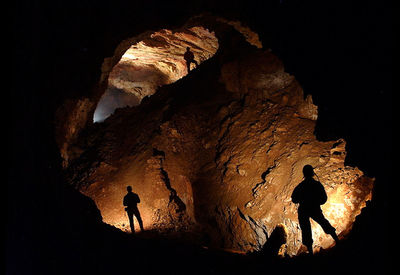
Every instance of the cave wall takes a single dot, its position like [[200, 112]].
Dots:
[[218, 154], [157, 62], [58, 51]]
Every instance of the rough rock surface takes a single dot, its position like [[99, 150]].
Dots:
[[157, 60], [154, 61], [217, 154]]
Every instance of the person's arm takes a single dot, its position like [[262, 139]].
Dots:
[[125, 202], [295, 195], [137, 199], [323, 197]]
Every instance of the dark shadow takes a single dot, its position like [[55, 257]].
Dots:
[[310, 195], [159, 153], [130, 201], [173, 194], [164, 175], [277, 238], [189, 57]]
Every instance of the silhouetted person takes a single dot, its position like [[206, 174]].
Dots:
[[130, 201], [310, 194], [189, 57]]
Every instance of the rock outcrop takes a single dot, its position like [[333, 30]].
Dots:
[[154, 61], [157, 60], [218, 153]]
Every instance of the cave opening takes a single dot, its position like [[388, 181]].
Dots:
[[152, 60]]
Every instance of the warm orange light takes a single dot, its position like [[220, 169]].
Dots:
[[158, 59], [154, 61], [340, 209]]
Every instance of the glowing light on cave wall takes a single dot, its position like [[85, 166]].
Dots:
[[153, 62], [119, 219], [340, 209], [109, 198]]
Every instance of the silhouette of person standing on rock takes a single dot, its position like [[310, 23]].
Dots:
[[310, 195], [130, 201], [189, 57]]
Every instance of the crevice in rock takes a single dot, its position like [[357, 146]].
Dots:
[[259, 229], [270, 146], [225, 123], [303, 143], [158, 153], [173, 197], [263, 178]]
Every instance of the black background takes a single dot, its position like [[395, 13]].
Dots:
[[340, 52]]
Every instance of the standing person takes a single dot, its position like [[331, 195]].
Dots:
[[189, 57], [130, 201], [310, 195]]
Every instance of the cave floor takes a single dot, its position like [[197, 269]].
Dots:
[[147, 253]]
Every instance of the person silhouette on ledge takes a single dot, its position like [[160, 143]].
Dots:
[[130, 201], [310, 195], [189, 57]]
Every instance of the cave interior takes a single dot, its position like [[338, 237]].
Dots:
[[339, 53]]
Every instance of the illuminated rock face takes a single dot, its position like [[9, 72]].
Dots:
[[218, 154], [156, 60]]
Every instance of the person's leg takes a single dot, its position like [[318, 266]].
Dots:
[[306, 233], [319, 217], [131, 221], [139, 218], [188, 66]]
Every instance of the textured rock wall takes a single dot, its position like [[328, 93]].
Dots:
[[218, 154], [157, 59], [138, 67], [70, 119]]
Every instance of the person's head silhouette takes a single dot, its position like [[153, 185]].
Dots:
[[129, 189], [187, 49], [308, 171]]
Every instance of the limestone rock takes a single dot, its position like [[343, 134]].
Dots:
[[219, 152], [157, 60]]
